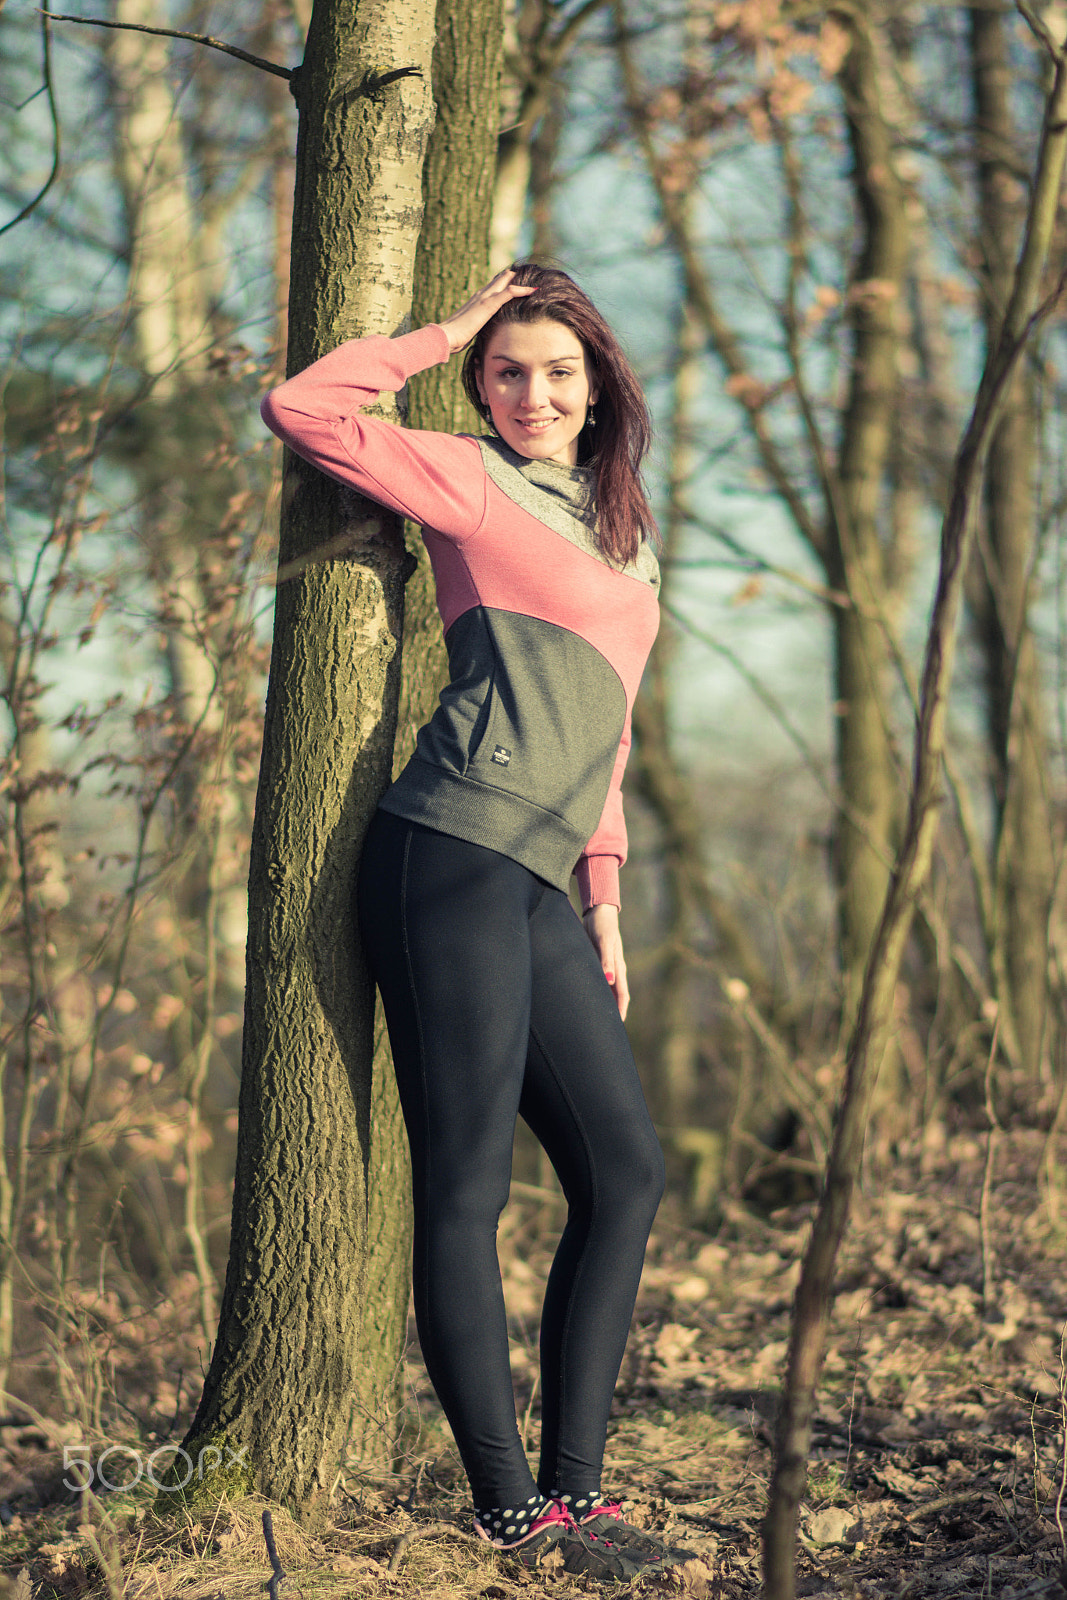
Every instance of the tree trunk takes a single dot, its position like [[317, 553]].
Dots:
[[871, 793], [849, 543], [663, 785], [1000, 586], [874, 1020], [298, 1353], [451, 261], [539, 42], [171, 294]]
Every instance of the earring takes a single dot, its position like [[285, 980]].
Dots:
[[590, 420]]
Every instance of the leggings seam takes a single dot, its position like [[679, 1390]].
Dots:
[[591, 1174], [420, 1037]]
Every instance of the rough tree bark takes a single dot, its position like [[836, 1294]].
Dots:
[[451, 261], [875, 1017], [296, 1358]]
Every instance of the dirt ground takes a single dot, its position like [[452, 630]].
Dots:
[[938, 1466]]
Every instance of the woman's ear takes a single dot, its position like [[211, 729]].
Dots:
[[481, 386]]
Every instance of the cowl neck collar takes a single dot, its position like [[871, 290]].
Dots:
[[572, 487]]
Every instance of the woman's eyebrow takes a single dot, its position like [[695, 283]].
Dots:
[[513, 361]]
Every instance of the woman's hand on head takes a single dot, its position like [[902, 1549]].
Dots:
[[601, 923], [463, 324]]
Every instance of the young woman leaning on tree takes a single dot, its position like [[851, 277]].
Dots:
[[501, 1002]]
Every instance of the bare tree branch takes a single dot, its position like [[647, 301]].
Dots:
[[720, 335], [178, 33], [871, 1032], [1040, 29], [46, 68]]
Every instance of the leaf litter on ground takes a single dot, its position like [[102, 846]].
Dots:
[[938, 1458]]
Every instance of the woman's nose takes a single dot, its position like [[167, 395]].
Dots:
[[533, 392]]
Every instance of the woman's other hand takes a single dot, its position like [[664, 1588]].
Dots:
[[463, 324], [601, 923]]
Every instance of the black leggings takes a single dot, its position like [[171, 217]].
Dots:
[[497, 1007]]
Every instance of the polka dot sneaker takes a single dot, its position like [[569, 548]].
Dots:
[[508, 1527], [604, 1520], [528, 1537]]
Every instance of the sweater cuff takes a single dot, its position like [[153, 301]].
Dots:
[[598, 881], [438, 349], [424, 348]]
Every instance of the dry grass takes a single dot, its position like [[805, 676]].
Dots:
[[938, 1464]]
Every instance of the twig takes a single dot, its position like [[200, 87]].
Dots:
[[277, 1570], [945, 1502], [1062, 1486], [1040, 29], [987, 1177], [534, 1191], [529, 1409], [179, 33], [400, 1547], [342, 544], [871, 1029], [409, 1503], [408, 1538], [46, 71]]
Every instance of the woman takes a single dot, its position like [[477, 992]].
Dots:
[[500, 1002]]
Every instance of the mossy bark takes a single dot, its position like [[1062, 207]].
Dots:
[[302, 1348]]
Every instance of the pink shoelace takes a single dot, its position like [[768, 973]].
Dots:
[[603, 1508], [556, 1516]]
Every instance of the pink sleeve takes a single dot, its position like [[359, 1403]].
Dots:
[[435, 478], [598, 865]]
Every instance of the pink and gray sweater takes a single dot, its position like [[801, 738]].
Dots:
[[546, 639]]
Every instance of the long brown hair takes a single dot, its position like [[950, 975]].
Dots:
[[616, 447]]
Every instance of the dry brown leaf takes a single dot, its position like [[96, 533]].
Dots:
[[673, 1355], [230, 1537], [837, 1525], [691, 1290], [900, 1482], [693, 1578]]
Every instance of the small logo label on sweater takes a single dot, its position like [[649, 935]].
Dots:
[[501, 756]]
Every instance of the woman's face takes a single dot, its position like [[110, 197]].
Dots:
[[535, 378]]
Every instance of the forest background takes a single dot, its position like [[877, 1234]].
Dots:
[[804, 226]]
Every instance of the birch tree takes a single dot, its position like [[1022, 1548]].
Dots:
[[451, 261]]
